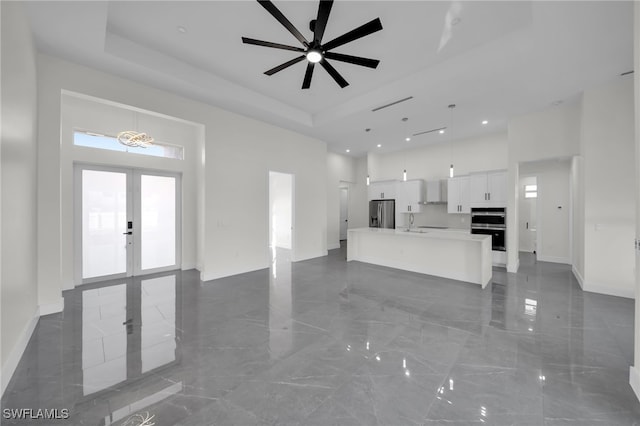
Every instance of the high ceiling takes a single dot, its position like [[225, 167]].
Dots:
[[494, 60]]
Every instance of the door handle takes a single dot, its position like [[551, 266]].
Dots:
[[127, 233]]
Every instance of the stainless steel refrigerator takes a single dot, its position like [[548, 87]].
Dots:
[[382, 214]]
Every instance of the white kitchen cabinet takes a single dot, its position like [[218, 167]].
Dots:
[[382, 190], [488, 189], [458, 195], [410, 196]]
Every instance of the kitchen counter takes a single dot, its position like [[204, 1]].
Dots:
[[455, 254]]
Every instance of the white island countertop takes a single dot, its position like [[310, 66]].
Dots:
[[454, 254]]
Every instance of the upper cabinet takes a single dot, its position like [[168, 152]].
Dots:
[[488, 189], [382, 190], [410, 196], [458, 195]]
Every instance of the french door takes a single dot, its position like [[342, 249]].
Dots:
[[127, 222]]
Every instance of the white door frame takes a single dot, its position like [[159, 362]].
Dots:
[[341, 220], [133, 214]]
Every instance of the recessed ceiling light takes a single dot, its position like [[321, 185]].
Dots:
[[181, 29], [441, 131], [379, 145], [485, 122], [348, 150], [407, 139]]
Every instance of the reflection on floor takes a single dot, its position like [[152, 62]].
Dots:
[[325, 342]]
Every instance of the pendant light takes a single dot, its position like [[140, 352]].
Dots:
[[134, 138], [368, 129], [407, 139], [451, 107]]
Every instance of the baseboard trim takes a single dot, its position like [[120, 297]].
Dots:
[[609, 291], [552, 259], [51, 308], [579, 278], [310, 256], [333, 246], [187, 266], [634, 380], [10, 365]]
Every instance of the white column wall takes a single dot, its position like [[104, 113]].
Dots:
[[577, 194], [18, 290], [635, 370], [607, 146]]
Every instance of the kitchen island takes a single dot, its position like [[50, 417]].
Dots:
[[456, 255]]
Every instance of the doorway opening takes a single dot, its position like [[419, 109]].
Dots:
[[344, 212], [528, 214], [127, 222], [281, 236]]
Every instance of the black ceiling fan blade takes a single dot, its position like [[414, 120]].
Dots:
[[275, 12], [248, 40], [285, 65], [363, 30], [307, 76], [333, 73], [357, 60], [324, 9]]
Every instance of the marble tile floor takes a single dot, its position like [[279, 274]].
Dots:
[[326, 342]]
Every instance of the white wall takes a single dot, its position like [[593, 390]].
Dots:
[[635, 372], [554, 208], [577, 194], [79, 112], [280, 203], [432, 163], [607, 146], [19, 300], [234, 162]]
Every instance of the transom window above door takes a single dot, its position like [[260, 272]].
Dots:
[[100, 141]]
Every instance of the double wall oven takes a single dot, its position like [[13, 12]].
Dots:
[[491, 221]]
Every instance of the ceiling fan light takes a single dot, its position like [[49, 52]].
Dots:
[[314, 56]]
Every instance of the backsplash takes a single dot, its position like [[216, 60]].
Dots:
[[436, 215]]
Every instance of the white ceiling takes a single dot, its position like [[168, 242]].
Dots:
[[500, 59]]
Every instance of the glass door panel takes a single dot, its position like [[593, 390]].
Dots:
[[158, 221], [104, 221], [128, 223]]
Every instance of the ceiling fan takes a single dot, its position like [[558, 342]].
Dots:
[[315, 51]]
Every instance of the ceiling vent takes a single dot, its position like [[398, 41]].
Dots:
[[391, 104], [429, 131], [626, 73]]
